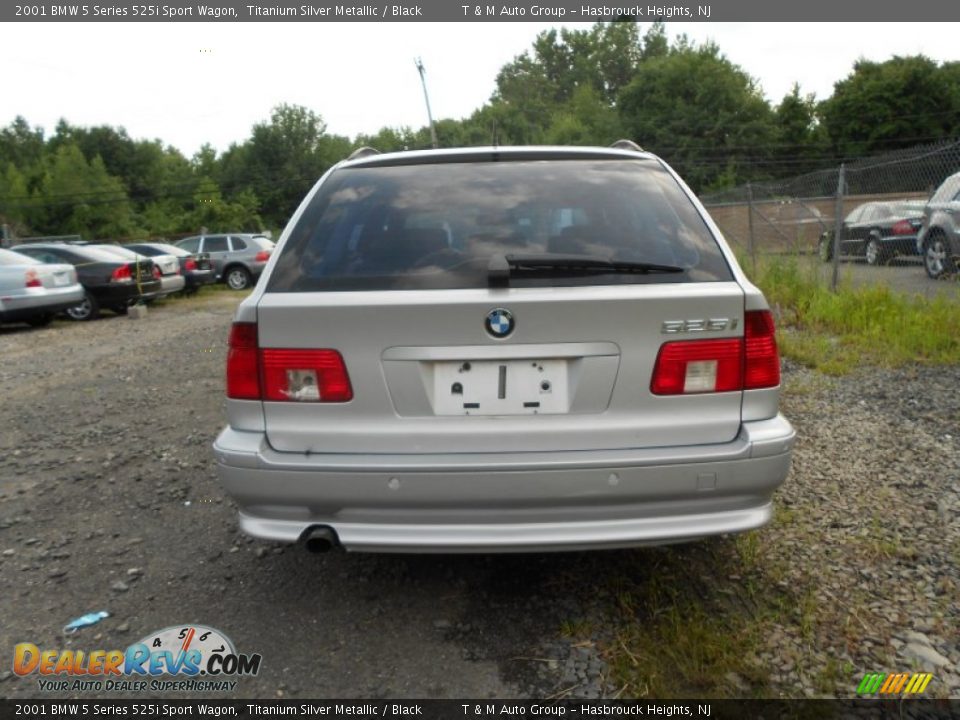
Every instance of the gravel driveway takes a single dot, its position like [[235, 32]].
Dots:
[[109, 501]]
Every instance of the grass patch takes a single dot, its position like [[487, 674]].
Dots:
[[690, 624], [836, 332]]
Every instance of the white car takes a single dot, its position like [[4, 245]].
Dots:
[[34, 292]]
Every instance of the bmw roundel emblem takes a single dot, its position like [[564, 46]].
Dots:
[[499, 322]]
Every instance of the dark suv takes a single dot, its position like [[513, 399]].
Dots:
[[238, 259]]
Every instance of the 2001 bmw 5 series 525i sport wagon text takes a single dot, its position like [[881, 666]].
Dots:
[[502, 349]]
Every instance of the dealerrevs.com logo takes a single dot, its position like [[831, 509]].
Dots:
[[186, 658]]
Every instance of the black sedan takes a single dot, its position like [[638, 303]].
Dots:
[[195, 267], [108, 281], [877, 232]]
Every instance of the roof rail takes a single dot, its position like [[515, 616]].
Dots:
[[363, 152], [626, 145]]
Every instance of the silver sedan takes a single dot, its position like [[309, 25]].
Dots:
[[34, 292]]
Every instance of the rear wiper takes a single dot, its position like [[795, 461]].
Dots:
[[502, 266]]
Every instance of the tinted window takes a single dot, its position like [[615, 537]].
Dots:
[[215, 244], [147, 250], [437, 226], [238, 243], [190, 244]]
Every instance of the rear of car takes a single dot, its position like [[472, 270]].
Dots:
[[34, 292], [502, 350], [108, 280], [194, 267], [238, 259], [939, 237], [166, 269]]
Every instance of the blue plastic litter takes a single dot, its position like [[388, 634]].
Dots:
[[84, 621]]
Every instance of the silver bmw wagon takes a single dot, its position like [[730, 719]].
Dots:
[[502, 349]]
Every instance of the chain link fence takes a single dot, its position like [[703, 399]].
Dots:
[[860, 219]]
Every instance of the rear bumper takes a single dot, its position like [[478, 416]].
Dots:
[[45, 301], [508, 502], [198, 278]]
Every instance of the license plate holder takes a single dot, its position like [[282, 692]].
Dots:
[[501, 387]]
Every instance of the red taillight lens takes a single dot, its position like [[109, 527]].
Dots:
[[282, 375], [703, 366], [33, 280], [762, 367], [697, 366], [156, 272], [121, 274], [243, 363], [262, 256], [305, 376], [190, 264], [903, 228]]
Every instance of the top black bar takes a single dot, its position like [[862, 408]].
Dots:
[[461, 11]]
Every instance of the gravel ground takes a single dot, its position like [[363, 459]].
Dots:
[[109, 501]]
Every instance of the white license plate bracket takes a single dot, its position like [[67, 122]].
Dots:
[[501, 387]]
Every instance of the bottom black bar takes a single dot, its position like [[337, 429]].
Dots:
[[483, 709]]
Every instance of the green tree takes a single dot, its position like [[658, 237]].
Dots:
[[702, 113], [898, 103], [80, 197]]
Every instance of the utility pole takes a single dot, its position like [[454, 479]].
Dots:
[[426, 98]]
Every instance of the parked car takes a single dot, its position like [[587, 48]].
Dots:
[[195, 268], [166, 268], [108, 280], [502, 349], [939, 238], [877, 232], [33, 292], [238, 259]]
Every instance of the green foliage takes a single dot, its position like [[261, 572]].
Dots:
[[701, 113], [898, 103], [837, 332]]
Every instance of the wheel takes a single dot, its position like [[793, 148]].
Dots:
[[873, 253], [238, 278], [87, 309], [936, 257], [826, 248], [40, 320]]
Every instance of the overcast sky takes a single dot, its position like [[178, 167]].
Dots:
[[209, 82]]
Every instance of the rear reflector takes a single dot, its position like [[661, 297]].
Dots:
[[283, 375], [722, 365]]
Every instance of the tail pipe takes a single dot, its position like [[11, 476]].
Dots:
[[320, 539]]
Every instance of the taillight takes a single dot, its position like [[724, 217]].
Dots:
[[190, 264], [262, 256], [156, 272], [903, 227], [283, 375], [698, 366], [762, 366], [33, 280], [722, 365], [243, 365], [121, 274], [305, 376]]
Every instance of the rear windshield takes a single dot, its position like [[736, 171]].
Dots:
[[437, 226], [8, 257]]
